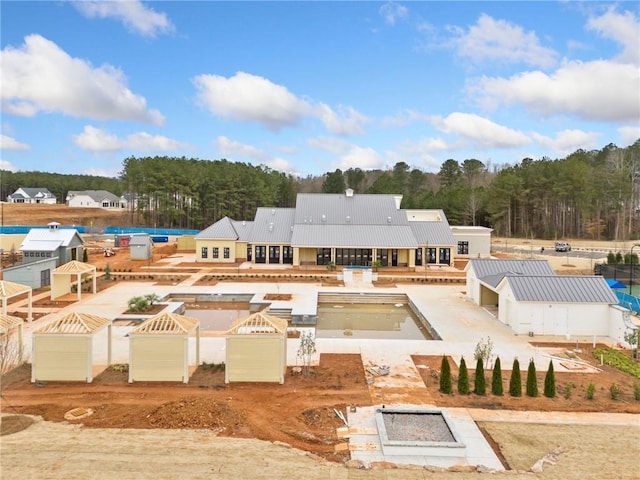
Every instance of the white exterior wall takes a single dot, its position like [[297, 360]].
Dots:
[[473, 285], [479, 239]]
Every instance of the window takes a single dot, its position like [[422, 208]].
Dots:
[[214, 252], [463, 248], [418, 256], [431, 255], [205, 252], [226, 252]]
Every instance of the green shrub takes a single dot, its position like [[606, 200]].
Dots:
[[567, 389], [480, 383], [515, 383], [532, 381], [496, 378], [591, 391], [636, 391], [85, 256], [614, 390], [618, 359], [611, 258], [445, 376], [550, 382], [463, 378]]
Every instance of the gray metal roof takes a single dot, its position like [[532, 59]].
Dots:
[[33, 193], [432, 233], [95, 195], [561, 289], [222, 230], [40, 245], [140, 240], [61, 235], [492, 270], [373, 236], [272, 225], [243, 229], [340, 209]]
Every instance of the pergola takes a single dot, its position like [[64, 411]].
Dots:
[[7, 323], [61, 286], [9, 290]]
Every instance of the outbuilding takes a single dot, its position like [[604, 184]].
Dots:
[[64, 349], [159, 348], [64, 275], [10, 289], [140, 247], [256, 349]]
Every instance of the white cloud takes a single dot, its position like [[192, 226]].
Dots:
[[568, 141], [231, 148], [40, 76], [599, 90], [9, 143], [349, 155], [498, 40], [250, 98], [480, 131], [392, 11], [97, 140], [622, 28], [132, 13], [346, 121], [7, 165], [629, 135], [282, 165]]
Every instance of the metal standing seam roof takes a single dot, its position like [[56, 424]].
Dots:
[[222, 229], [7, 322], [140, 241], [258, 323], [75, 266], [63, 236], [432, 233], [561, 289], [167, 324], [40, 245], [485, 267], [75, 323], [340, 209], [243, 229], [272, 225], [11, 289], [353, 236]]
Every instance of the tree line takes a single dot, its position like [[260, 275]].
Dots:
[[588, 194]]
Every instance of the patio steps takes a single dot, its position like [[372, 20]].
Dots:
[[388, 298]]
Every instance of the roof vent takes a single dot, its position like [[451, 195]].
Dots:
[[324, 217], [388, 219], [53, 226], [348, 219], [273, 211], [271, 227], [349, 192]]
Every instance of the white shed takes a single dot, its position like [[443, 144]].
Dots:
[[140, 247], [159, 348], [63, 349], [256, 349]]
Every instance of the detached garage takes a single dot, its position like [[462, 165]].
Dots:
[[63, 350], [256, 349], [159, 348]]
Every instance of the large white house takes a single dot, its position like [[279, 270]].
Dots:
[[341, 229], [95, 199], [32, 195]]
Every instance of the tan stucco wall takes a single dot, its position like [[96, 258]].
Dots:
[[61, 285], [256, 358], [221, 245], [306, 255], [156, 358], [186, 243], [58, 357]]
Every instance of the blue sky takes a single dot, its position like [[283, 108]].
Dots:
[[308, 87]]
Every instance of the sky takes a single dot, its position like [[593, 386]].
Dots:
[[310, 87]]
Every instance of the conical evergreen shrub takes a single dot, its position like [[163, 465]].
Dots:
[[445, 376], [496, 378], [515, 383], [463, 378], [480, 383], [550, 382], [532, 381]]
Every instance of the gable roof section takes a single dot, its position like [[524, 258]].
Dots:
[[75, 323], [32, 193], [272, 225], [353, 236], [492, 270], [432, 233], [243, 229], [75, 266], [221, 230], [561, 289], [95, 195], [62, 236], [340, 209], [140, 241], [258, 323], [167, 324]]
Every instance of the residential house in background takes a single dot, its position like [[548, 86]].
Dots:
[[32, 195], [94, 199]]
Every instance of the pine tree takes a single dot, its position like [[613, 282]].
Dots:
[[515, 383], [85, 256], [550, 382], [480, 385], [496, 378], [463, 378], [532, 381], [445, 376]]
